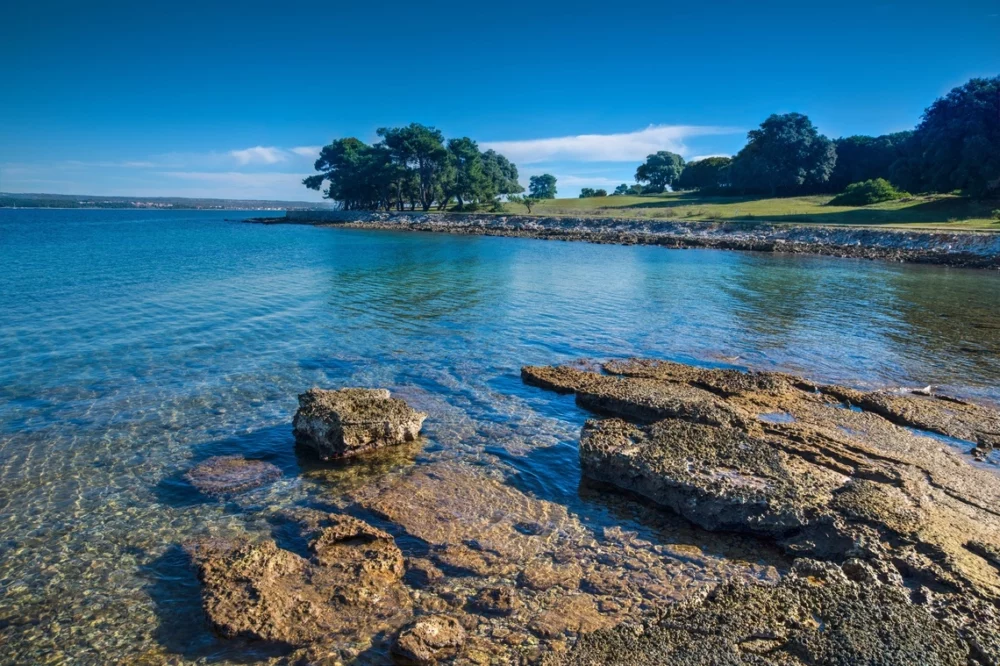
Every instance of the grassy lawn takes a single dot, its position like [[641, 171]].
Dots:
[[938, 211]]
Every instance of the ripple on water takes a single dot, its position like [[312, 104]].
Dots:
[[135, 345]]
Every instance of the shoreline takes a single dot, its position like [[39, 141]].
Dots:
[[966, 249]]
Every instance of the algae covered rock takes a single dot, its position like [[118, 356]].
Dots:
[[349, 589], [347, 422], [223, 475], [428, 640]]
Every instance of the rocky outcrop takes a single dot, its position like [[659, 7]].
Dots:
[[816, 615], [223, 475], [344, 423], [969, 249], [824, 471], [428, 640], [347, 590]]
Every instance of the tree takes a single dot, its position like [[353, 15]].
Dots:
[[543, 187], [525, 201], [635, 189], [586, 193], [786, 154], [359, 176], [600, 193], [707, 174], [620, 190], [861, 158], [957, 143], [422, 149], [464, 179], [661, 169], [501, 173]]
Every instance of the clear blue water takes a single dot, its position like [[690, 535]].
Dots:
[[134, 344]]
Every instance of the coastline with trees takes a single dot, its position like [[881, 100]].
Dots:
[[947, 169]]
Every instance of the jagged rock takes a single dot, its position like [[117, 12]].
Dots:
[[349, 588], [822, 480], [570, 615], [344, 423], [428, 640], [814, 616], [224, 475]]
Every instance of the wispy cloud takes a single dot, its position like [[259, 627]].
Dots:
[[259, 155], [627, 147], [312, 152]]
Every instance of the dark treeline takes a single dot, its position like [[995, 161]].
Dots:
[[956, 146], [413, 167]]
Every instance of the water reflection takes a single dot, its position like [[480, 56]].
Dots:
[[159, 339]]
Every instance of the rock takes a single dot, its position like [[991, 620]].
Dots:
[[428, 640], [815, 616], [223, 475], [496, 601], [541, 576], [358, 549], [349, 590], [570, 615], [344, 423], [825, 482]]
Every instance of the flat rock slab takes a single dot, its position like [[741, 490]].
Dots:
[[798, 463], [223, 475], [351, 421]]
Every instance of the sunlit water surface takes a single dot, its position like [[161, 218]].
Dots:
[[135, 344]]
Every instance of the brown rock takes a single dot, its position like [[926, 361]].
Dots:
[[496, 601], [541, 576], [428, 640], [339, 424], [570, 615], [223, 475], [260, 591]]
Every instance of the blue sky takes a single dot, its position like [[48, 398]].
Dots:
[[212, 99]]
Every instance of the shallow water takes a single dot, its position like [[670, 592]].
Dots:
[[135, 344]]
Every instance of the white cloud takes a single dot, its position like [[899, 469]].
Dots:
[[697, 158], [259, 155], [627, 147], [312, 152]]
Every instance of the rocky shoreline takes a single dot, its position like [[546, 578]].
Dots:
[[834, 526], [958, 249]]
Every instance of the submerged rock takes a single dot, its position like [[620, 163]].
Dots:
[[339, 424], [814, 616], [223, 475], [428, 640], [898, 508], [348, 590]]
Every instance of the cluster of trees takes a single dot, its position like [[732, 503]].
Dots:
[[588, 192], [413, 166], [956, 146]]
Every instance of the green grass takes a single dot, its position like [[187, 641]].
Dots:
[[937, 211]]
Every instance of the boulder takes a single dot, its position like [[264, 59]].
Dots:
[[349, 589], [428, 640], [347, 422], [223, 475]]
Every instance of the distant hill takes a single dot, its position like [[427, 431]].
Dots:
[[35, 200]]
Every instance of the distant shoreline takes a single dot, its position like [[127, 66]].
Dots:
[[961, 249]]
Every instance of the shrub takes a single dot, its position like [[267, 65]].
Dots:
[[996, 214], [867, 193]]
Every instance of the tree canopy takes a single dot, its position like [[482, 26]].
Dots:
[[660, 169], [543, 186], [413, 165], [861, 158], [707, 174], [957, 143], [784, 154]]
